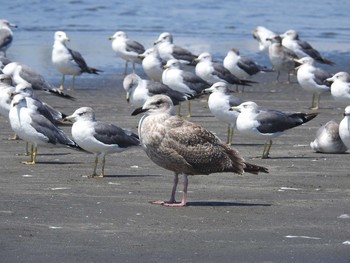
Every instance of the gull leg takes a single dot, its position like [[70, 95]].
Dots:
[[95, 166], [133, 67], [173, 192], [189, 109], [62, 82], [278, 76], [32, 156], [13, 138], [102, 167], [126, 68], [184, 195], [230, 133], [267, 148], [179, 110], [73, 82]]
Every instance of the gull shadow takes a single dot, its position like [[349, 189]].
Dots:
[[286, 158], [130, 175], [57, 163], [218, 203], [52, 154]]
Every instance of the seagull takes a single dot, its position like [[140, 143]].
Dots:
[[183, 81], [99, 137], [4, 61], [6, 35], [184, 147], [152, 64], [344, 128], [281, 58], [35, 129], [261, 33], [127, 49], [68, 61], [340, 88], [290, 39], [328, 140], [168, 50], [213, 72], [219, 102], [267, 124], [138, 90], [22, 73], [6, 90], [312, 79]]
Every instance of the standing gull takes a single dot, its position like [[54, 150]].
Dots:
[[219, 102], [127, 49], [138, 90], [99, 137], [6, 90], [152, 64], [340, 88], [328, 140], [261, 34], [344, 127], [267, 124], [290, 39], [182, 81], [34, 128], [68, 61], [6, 35], [184, 147], [312, 79]]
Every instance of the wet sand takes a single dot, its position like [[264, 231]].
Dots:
[[51, 212]]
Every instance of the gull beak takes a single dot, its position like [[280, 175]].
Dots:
[[13, 25], [142, 56], [138, 111], [69, 118], [67, 39], [208, 90], [235, 108], [111, 38], [165, 67], [299, 64], [128, 97]]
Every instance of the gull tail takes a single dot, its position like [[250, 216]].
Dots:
[[254, 169], [245, 82], [57, 92], [326, 61], [93, 70]]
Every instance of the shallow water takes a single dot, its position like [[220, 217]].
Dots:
[[214, 26]]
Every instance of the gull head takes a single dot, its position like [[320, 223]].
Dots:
[[217, 87], [172, 63], [248, 106], [291, 34], [83, 113], [347, 111], [341, 77], [119, 35], [164, 37], [156, 104], [61, 37], [203, 57]]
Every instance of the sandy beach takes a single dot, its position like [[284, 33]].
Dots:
[[299, 212]]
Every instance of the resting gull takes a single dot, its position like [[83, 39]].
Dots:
[[6, 35], [328, 140], [290, 39], [184, 147], [261, 33], [152, 64], [6, 90], [183, 81], [68, 61], [312, 79], [99, 137], [127, 49], [340, 88], [35, 129], [138, 90], [267, 124], [344, 127], [219, 102]]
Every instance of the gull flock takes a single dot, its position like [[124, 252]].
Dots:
[[174, 75]]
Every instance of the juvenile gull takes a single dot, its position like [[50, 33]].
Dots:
[[267, 124], [291, 40], [261, 33], [182, 81], [219, 102], [127, 49], [340, 88], [312, 79], [152, 64], [328, 140], [68, 61], [138, 90], [100, 138], [213, 71], [35, 129], [344, 128], [6, 35], [22, 73], [184, 147], [281, 58]]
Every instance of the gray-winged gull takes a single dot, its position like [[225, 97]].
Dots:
[[35, 129], [68, 61], [312, 79], [261, 33], [328, 140], [6, 35], [291, 40], [344, 127], [127, 49], [184, 147], [219, 102], [100, 138], [267, 124], [152, 64], [6, 90], [340, 87]]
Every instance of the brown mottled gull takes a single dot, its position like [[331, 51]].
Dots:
[[185, 147]]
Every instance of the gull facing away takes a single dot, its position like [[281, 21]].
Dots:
[[344, 127], [312, 79], [127, 49], [22, 73], [261, 34], [184, 147], [219, 102], [267, 124], [35, 129], [340, 87], [138, 90], [6, 35], [328, 140], [99, 138], [152, 64], [291, 40], [68, 61]]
